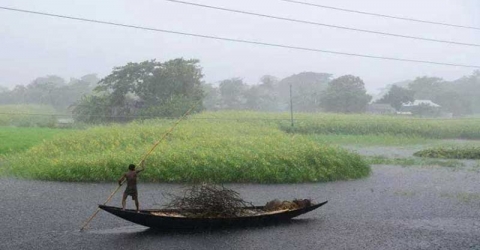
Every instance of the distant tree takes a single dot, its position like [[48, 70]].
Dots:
[[346, 94], [232, 93], [453, 102], [51, 80], [397, 96], [177, 78], [14, 96], [149, 89], [92, 109], [40, 90], [268, 81], [264, 96], [212, 100], [18, 95], [66, 95], [125, 80], [91, 79], [427, 87], [468, 87], [307, 88], [253, 97]]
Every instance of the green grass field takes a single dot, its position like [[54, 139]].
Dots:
[[14, 140]]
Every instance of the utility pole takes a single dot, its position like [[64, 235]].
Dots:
[[291, 105]]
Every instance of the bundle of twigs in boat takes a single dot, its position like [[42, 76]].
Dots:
[[209, 200]]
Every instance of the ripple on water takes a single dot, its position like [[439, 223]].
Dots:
[[120, 230]]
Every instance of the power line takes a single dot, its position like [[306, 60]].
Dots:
[[363, 119], [323, 24], [383, 15], [239, 40], [145, 117]]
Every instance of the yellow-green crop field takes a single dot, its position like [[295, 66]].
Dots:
[[468, 128], [227, 147]]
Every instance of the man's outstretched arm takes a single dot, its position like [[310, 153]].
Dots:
[[142, 166]]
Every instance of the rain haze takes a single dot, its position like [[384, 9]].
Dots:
[[208, 124], [34, 46]]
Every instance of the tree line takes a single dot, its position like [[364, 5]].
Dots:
[[50, 90], [459, 97], [167, 89]]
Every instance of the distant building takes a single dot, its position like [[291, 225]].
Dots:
[[421, 102], [422, 108], [380, 109], [64, 122]]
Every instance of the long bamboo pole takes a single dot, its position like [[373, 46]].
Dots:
[[143, 159]]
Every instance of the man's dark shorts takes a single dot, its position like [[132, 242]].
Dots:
[[132, 192]]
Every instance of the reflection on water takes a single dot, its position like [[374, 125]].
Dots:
[[136, 231]]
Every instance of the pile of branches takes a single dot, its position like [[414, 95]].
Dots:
[[209, 200]]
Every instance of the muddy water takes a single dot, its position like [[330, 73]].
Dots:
[[394, 208]]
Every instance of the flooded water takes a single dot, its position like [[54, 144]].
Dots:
[[395, 208]]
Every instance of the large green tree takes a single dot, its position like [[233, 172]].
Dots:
[[345, 94], [148, 89]]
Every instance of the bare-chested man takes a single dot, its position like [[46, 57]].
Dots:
[[131, 177]]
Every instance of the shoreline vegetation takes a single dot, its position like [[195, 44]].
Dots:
[[465, 152], [228, 147]]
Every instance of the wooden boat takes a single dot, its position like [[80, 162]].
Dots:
[[172, 219]]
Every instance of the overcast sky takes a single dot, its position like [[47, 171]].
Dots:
[[32, 46]]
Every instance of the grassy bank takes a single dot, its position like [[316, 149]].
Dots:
[[200, 149], [15, 140]]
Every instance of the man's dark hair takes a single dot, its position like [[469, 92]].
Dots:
[[131, 167]]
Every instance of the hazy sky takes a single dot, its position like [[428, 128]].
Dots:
[[33, 46]]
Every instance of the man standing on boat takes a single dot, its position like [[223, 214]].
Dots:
[[131, 190]]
